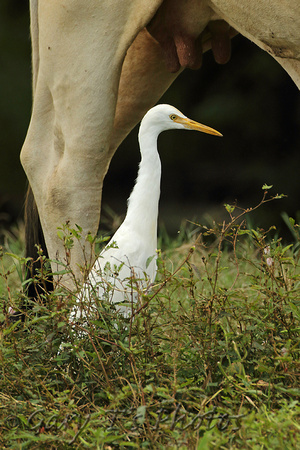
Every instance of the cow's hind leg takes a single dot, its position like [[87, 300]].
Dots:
[[39, 280], [38, 277]]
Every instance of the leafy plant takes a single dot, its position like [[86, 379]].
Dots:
[[209, 358]]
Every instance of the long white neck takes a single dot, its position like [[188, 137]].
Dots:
[[142, 209]]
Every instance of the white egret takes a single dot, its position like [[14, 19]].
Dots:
[[127, 265]]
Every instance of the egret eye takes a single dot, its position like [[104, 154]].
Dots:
[[173, 116]]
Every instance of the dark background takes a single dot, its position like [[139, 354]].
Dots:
[[251, 100]]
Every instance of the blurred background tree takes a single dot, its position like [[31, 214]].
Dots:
[[251, 100]]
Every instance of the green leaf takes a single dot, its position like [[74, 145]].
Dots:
[[267, 187], [292, 221], [61, 234], [149, 260], [229, 208], [141, 414], [295, 310], [279, 196], [78, 228]]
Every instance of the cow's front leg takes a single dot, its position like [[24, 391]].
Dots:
[[65, 154], [66, 171]]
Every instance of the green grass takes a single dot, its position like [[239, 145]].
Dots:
[[211, 359]]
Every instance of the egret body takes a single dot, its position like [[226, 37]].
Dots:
[[127, 265]]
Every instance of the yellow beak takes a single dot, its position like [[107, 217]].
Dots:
[[192, 125]]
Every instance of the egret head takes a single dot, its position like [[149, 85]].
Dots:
[[166, 117]]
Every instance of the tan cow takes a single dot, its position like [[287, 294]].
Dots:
[[98, 66]]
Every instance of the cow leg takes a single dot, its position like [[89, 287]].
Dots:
[[66, 151]]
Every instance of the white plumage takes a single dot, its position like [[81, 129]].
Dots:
[[127, 265]]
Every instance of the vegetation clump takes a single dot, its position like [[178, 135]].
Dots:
[[209, 358]]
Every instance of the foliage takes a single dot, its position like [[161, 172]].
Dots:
[[210, 358]]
